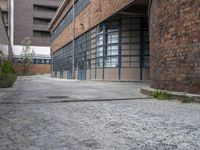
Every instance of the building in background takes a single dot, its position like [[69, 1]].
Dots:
[[5, 13], [4, 42], [30, 18], [5, 46], [109, 40]]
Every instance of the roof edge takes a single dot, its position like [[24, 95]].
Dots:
[[58, 12]]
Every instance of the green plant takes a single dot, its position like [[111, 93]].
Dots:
[[161, 94], [7, 68], [7, 80], [188, 100], [27, 54]]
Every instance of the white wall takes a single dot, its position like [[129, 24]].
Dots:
[[39, 50]]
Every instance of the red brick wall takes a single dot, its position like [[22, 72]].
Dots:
[[34, 68], [175, 45], [93, 14]]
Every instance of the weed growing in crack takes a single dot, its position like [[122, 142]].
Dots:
[[161, 94]]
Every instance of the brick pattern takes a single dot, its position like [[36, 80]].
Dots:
[[175, 45], [96, 12], [35, 68]]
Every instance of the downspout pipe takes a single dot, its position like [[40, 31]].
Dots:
[[73, 43], [149, 11]]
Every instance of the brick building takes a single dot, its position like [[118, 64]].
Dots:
[[3, 38], [30, 19], [109, 40], [4, 9], [5, 46], [103, 40], [175, 45]]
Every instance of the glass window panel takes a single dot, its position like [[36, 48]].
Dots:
[[135, 52], [99, 62], [112, 38], [99, 51], [126, 21], [135, 21], [126, 40], [100, 29], [112, 26], [135, 39], [111, 62], [135, 26], [125, 46], [135, 64], [100, 40], [126, 64], [135, 33], [126, 34], [112, 50], [125, 27]]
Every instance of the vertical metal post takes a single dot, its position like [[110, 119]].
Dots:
[[104, 48], [120, 49], [51, 53], [73, 43], [52, 69], [141, 47]]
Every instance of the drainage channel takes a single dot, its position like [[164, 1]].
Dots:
[[74, 101]]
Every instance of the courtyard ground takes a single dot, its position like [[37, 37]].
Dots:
[[43, 113]]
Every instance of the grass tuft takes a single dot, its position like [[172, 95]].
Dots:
[[161, 95]]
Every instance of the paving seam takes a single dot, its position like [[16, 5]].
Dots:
[[76, 101]]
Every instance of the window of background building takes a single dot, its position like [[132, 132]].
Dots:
[[44, 8], [42, 21], [42, 34]]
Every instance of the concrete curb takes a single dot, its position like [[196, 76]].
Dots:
[[174, 95], [133, 81]]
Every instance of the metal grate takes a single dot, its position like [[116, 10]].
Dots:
[[6, 103]]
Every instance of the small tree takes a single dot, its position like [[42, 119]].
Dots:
[[27, 54]]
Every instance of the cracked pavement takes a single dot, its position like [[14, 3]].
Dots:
[[42, 113]]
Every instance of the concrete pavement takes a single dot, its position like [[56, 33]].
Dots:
[[41, 113]]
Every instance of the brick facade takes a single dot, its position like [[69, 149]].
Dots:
[[91, 16], [175, 45], [34, 68], [174, 39]]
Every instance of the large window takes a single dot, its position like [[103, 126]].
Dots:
[[62, 59], [134, 43], [116, 44], [107, 50], [112, 44], [80, 52]]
